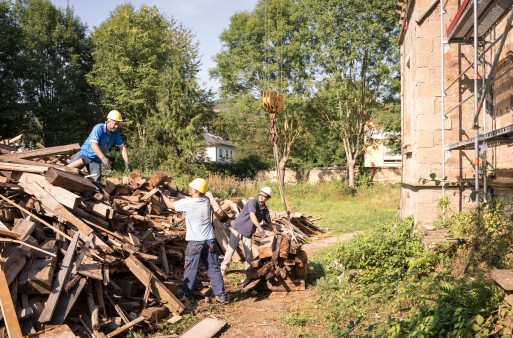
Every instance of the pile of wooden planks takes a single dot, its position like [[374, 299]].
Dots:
[[94, 260], [82, 258]]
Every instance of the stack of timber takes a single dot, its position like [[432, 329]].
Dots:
[[279, 264], [81, 258]]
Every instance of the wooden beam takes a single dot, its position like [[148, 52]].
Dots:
[[99, 209], [50, 151], [8, 310], [51, 303], [38, 169], [69, 181], [10, 234], [157, 287]]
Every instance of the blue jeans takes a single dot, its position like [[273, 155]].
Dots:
[[206, 252], [94, 167]]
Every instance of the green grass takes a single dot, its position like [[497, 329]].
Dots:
[[340, 209]]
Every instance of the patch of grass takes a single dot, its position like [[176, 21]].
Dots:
[[293, 319], [341, 209]]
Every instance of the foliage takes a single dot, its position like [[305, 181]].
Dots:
[[243, 168], [146, 66], [47, 56], [355, 55]]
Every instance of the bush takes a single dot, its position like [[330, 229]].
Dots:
[[245, 168]]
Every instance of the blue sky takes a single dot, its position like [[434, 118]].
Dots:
[[205, 18]]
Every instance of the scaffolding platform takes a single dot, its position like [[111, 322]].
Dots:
[[489, 13], [494, 137]]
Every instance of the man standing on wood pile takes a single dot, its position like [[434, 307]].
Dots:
[[201, 245], [102, 137], [251, 218]]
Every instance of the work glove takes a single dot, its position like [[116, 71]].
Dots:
[[175, 192], [261, 231], [106, 163], [127, 167]]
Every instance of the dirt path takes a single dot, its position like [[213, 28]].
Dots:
[[271, 314]]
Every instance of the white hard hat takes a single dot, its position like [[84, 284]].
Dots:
[[267, 191]]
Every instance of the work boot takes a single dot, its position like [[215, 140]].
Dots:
[[221, 300]]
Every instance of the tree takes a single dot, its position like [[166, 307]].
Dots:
[[55, 57], [355, 56], [264, 49], [12, 118], [146, 66]]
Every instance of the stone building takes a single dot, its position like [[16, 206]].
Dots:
[[440, 112]]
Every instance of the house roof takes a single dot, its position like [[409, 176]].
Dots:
[[215, 140]]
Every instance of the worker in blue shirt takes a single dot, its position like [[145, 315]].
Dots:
[[100, 140]]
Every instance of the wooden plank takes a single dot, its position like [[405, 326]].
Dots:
[[157, 287], [38, 169], [8, 310], [20, 161], [51, 303], [41, 272], [66, 302], [205, 328], [69, 181], [149, 194], [12, 262], [61, 195], [265, 248], [24, 227], [90, 268], [126, 327], [50, 151]]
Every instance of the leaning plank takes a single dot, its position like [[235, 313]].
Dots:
[[69, 181], [66, 302], [8, 310], [61, 195], [222, 238], [50, 151], [51, 303], [41, 272], [125, 327], [24, 227], [205, 328], [157, 287]]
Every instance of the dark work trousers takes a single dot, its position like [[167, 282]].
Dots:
[[206, 252], [94, 167]]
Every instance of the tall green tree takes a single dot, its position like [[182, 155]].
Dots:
[[55, 57], [263, 49], [12, 118], [146, 66], [356, 59]]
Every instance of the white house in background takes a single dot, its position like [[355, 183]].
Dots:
[[218, 149], [379, 155]]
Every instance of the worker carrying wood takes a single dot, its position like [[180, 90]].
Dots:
[[251, 218], [201, 243], [100, 140]]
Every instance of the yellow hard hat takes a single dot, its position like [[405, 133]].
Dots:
[[200, 185], [115, 116]]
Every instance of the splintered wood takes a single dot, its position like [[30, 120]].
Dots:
[[88, 259]]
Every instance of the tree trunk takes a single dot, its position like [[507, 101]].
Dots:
[[351, 164]]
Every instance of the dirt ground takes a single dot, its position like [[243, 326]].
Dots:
[[271, 314]]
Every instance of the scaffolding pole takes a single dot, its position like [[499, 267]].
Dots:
[[476, 104], [442, 98]]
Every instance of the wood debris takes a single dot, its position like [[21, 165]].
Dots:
[[88, 259]]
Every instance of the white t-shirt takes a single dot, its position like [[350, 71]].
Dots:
[[197, 220]]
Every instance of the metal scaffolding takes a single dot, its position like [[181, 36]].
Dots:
[[471, 25]]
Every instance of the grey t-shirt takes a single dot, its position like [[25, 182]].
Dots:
[[197, 221], [243, 223]]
